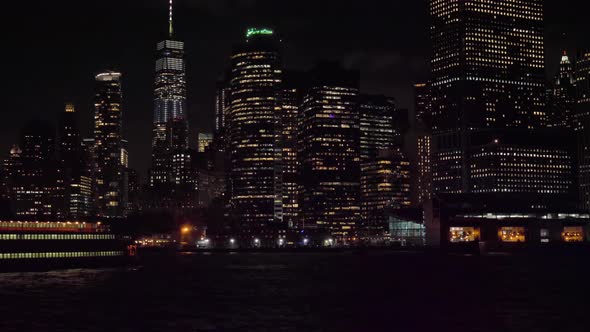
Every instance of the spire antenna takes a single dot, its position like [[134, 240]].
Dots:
[[170, 26]]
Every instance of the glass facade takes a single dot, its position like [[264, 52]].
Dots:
[[581, 124], [488, 72], [330, 153], [107, 145], [255, 184]]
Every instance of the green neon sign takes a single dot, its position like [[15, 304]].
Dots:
[[256, 32]]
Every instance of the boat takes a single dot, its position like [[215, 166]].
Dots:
[[46, 245]]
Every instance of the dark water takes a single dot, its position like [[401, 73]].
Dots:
[[306, 292]]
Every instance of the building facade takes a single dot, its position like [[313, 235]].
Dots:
[[488, 72], [423, 103], [581, 125], [291, 99], [385, 185], [330, 152], [172, 179], [377, 128], [35, 178], [255, 155], [77, 179], [562, 98], [107, 145]]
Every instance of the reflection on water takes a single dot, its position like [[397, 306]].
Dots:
[[305, 292]]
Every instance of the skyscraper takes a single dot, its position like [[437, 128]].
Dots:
[[581, 123], [424, 166], [222, 108], [36, 181], [291, 99], [377, 128], [562, 99], [487, 72], [330, 153], [255, 176], [107, 145], [171, 178], [488, 64], [77, 180], [169, 107], [422, 103], [385, 185]]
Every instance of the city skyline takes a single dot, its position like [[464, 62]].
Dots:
[[384, 65]]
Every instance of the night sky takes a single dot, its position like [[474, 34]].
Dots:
[[52, 49]]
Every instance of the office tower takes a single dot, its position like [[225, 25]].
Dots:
[[37, 187], [377, 127], [329, 152], [205, 140], [562, 97], [77, 180], [133, 191], [12, 166], [291, 99], [385, 186], [169, 108], [422, 103], [381, 158], [107, 145], [487, 72], [222, 108], [69, 136], [488, 64], [255, 179], [424, 166], [513, 161], [581, 124], [172, 184]]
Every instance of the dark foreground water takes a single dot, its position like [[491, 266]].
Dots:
[[306, 292]]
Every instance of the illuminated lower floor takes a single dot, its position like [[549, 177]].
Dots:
[[518, 233], [63, 254]]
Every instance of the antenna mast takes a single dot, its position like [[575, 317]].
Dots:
[[170, 27]]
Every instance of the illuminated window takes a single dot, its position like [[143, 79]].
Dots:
[[463, 234], [573, 234], [512, 234]]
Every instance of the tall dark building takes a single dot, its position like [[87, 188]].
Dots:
[[377, 128], [488, 64], [255, 176], [330, 153], [581, 124], [222, 108], [35, 176], [169, 107], [171, 178], [384, 168], [291, 99], [562, 98], [76, 177], [385, 186], [422, 103], [487, 72], [107, 145]]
